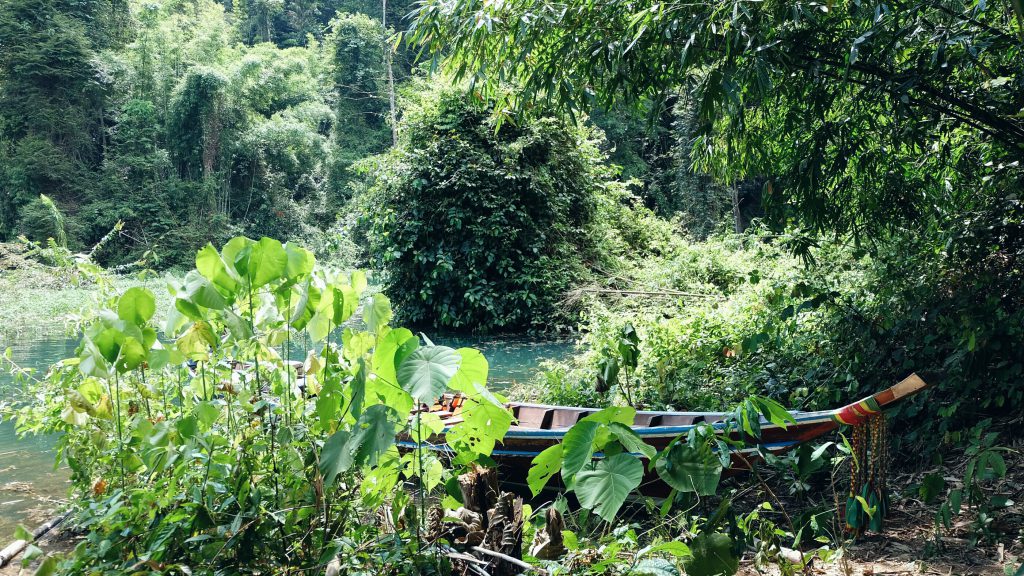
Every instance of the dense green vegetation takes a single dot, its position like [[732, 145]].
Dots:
[[188, 121], [735, 206], [894, 132], [479, 227]]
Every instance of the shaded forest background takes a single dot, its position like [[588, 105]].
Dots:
[[193, 121]]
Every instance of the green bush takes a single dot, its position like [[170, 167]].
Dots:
[[818, 335], [479, 226]]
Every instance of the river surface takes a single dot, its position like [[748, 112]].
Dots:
[[30, 485]]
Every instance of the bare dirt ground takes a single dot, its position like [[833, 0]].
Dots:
[[912, 545]]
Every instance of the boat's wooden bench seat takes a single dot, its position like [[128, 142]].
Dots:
[[541, 417], [683, 419]]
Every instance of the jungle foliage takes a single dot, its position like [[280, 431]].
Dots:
[[196, 444], [866, 117], [481, 227], [887, 141], [185, 120]]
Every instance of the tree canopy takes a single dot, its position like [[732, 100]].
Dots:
[[865, 115]]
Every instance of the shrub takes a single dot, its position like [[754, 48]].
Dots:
[[482, 226], [817, 335]]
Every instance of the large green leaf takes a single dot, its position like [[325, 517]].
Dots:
[[303, 302], [377, 312], [131, 355], [238, 327], [201, 292], [372, 435], [689, 468], [91, 361], [268, 262], [212, 267], [345, 303], [376, 433], [543, 467], [355, 344], [383, 384], [300, 261], [196, 342], [426, 372], [578, 447], [485, 420], [137, 305], [236, 254], [472, 370], [322, 322], [358, 281], [337, 456], [630, 440], [604, 488], [621, 414], [388, 343]]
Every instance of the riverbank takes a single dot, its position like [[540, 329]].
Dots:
[[40, 303]]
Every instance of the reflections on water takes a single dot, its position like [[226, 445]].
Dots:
[[29, 485]]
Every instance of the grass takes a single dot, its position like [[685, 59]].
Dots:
[[35, 302]]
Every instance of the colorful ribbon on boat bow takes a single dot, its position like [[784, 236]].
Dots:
[[868, 500]]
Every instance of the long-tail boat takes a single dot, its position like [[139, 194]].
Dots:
[[538, 426]]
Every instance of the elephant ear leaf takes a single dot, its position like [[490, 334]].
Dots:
[[689, 468], [425, 373], [604, 488]]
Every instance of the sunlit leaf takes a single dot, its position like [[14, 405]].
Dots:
[[377, 312], [578, 447], [543, 467], [137, 305], [425, 373], [472, 370], [267, 262]]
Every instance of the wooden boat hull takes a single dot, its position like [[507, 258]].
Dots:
[[539, 427]]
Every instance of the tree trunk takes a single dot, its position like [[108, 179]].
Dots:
[[391, 72], [737, 215]]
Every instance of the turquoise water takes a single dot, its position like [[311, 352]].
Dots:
[[29, 485]]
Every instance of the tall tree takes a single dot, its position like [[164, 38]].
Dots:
[[360, 81]]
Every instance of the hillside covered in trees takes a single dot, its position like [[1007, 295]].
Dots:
[[193, 121]]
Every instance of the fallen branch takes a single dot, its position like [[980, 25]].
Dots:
[[646, 293], [508, 559], [16, 547]]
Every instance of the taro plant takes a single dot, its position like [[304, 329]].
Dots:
[[981, 490], [254, 428], [602, 461]]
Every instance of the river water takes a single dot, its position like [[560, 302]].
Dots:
[[30, 486]]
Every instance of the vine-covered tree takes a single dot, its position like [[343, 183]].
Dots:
[[356, 47], [481, 227]]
